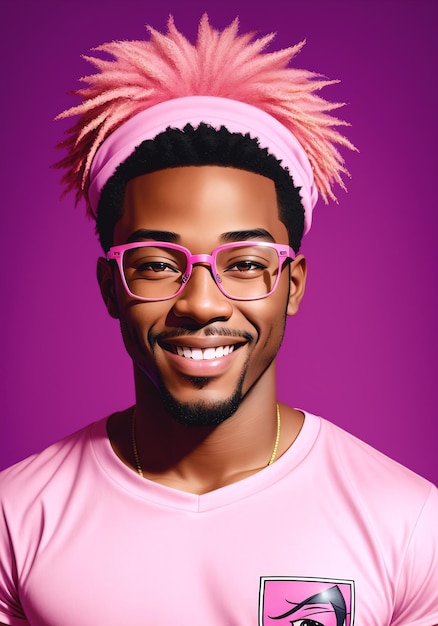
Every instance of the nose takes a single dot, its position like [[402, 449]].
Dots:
[[201, 301]]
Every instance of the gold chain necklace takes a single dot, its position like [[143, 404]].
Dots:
[[134, 443], [137, 457], [277, 437]]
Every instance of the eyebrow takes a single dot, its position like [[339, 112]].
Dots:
[[155, 235], [143, 234], [247, 235]]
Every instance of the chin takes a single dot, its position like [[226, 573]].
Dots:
[[201, 412]]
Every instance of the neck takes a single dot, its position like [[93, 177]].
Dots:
[[202, 458]]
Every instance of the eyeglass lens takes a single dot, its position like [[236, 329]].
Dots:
[[246, 272]]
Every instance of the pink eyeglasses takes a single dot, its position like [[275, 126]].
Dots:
[[157, 270]]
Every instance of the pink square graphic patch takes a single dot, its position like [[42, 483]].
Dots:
[[306, 601]]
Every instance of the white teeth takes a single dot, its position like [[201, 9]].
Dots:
[[204, 355]]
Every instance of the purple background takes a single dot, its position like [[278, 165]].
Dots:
[[362, 350]]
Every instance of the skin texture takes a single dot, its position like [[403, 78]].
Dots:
[[199, 205]]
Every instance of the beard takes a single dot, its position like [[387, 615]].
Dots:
[[201, 412]]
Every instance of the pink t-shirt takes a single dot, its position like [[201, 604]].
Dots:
[[333, 534]]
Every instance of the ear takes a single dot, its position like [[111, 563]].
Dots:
[[298, 273], [105, 277]]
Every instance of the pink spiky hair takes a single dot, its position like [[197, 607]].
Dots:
[[221, 65]]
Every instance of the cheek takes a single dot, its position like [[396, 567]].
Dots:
[[269, 314], [268, 317], [137, 319]]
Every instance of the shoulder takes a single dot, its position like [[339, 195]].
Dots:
[[378, 482], [53, 465], [395, 509]]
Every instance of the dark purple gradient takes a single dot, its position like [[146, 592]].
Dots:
[[362, 350]]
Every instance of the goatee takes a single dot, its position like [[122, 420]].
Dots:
[[201, 412]]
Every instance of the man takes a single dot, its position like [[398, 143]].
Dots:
[[209, 502]]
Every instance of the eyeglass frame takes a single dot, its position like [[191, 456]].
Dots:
[[115, 253]]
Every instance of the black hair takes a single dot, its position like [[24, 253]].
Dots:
[[201, 146], [332, 595]]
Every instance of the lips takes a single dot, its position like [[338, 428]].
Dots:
[[202, 354]]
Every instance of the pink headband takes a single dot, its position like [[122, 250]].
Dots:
[[237, 117]]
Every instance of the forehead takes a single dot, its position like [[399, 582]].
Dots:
[[200, 202]]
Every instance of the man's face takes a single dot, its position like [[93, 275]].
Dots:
[[202, 208]]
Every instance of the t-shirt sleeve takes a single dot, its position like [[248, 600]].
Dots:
[[417, 587], [11, 612]]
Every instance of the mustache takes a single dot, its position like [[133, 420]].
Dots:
[[204, 332]]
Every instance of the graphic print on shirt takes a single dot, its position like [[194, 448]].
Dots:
[[306, 601]]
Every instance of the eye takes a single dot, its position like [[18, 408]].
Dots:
[[306, 622], [152, 263], [245, 266], [156, 267]]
